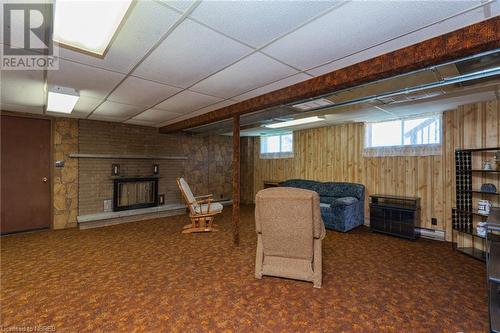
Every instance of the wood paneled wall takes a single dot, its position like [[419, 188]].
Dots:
[[334, 153]]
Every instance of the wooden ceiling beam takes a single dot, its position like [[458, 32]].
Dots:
[[467, 41]]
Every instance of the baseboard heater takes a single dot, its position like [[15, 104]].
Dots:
[[430, 233]]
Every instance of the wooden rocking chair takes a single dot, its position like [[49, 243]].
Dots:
[[202, 209]]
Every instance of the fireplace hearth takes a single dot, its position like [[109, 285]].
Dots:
[[134, 192]]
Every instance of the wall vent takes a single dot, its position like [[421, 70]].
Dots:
[[314, 104]]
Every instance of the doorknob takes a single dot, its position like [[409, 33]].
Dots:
[[44, 179]]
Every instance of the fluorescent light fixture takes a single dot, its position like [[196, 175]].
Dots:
[[295, 122], [88, 26], [62, 99], [317, 103]]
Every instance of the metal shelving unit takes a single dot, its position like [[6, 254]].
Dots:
[[464, 216]]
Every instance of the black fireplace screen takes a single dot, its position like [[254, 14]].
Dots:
[[133, 193]]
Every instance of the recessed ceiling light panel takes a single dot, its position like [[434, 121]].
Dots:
[[295, 122], [62, 99], [88, 26]]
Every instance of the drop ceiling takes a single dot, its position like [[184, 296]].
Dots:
[[173, 60]]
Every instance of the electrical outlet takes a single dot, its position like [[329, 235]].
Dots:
[[108, 205], [434, 221]]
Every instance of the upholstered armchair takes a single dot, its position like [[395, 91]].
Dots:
[[289, 234]]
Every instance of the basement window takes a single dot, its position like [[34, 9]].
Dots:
[[276, 146], [419, 136]]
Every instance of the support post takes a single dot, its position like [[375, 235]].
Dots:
[[236, 180]]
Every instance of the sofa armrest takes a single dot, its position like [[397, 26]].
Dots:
[[322, 232]]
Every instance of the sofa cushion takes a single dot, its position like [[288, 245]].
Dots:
[[340, 190], [345, 201], [326, 199], [203, 209]]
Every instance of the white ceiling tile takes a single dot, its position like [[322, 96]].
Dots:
[[174, 120], [140, 122], [358, 25], [254, 71], [85, 105], [181, 5], [136, 91], [257, 22], [21, 108], [22, 88], [155, 115], [215, 106], [189, 54], [114, 111], [89, 81], [201, 111], [146, 24], [186, 101], [273, 86], [410, 39]]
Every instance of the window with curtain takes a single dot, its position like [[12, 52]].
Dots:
[[276, 146], [404, 137]]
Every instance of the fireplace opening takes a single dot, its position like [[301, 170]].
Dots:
[[134, 192]]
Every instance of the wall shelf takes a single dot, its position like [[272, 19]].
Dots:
[[127, 157]]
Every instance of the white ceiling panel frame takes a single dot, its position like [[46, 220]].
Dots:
[[216, 106], [357, 25], [251, 72], [140, 92], [187, 101], [155, 115], [180, 5], [198, 112], [140, 122], [112, 111], [180, 62], [256, 50], [89, 81], [467, 17], [258, 22], [158, 43], [288, 81]]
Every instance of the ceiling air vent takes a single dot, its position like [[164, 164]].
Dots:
[[311, 105]]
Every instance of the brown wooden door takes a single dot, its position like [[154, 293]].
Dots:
[[25, 183]]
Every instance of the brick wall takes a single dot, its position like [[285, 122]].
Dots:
[[208, 168]]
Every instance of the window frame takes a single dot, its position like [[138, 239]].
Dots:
[[419, 149], [280, 154]]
